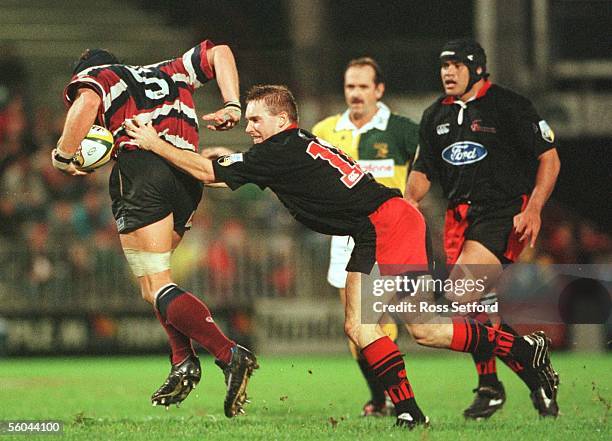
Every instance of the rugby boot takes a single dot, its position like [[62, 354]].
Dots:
[[182, 379], [488, 400], [237, 374], [385, 408], [544, 398]]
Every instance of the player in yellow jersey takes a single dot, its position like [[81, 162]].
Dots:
[[384, 144]]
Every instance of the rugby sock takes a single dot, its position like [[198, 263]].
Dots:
[[526, 375], [179, 342], [189, 315], [486, 369], [485, 361], [377, 391], [386, 362], [472, 336]]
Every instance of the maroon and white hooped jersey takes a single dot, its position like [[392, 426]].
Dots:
[[161, 93]]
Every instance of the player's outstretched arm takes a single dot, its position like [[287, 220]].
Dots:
[[221, 60], [528, 222], [147, 139], [79, 120], [417, 188]]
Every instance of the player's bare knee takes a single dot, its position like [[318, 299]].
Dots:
[[152, 270]]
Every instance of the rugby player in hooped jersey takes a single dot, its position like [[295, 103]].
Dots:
[[496, 160], [327, 191], [153, 202]]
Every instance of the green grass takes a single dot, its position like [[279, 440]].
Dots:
[[294, 398]]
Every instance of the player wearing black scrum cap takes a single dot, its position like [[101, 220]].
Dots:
[[496, 160]]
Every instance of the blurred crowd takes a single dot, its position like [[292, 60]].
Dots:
[[58, 231]]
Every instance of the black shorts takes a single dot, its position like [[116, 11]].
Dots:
[[491, 226], [144, 189]]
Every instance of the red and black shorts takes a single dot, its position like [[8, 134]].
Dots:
[[395, 237], [491, 226], [145, 189]]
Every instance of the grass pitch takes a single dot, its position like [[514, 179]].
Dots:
[[293, 398]]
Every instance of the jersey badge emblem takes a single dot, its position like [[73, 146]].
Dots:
[[464, 152], [228, 160], [476, 127], [382, 149], [443, 129], [546, 131]]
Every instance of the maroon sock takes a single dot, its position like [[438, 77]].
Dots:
[[386, 361], [189, 315], [179, 342]]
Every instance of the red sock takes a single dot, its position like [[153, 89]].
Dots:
[[179, 343], [476, 338], [190, 316], [386, 361]]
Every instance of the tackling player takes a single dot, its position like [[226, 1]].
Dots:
[[328, 192], [383, 143], [496, 160], [153, 202]]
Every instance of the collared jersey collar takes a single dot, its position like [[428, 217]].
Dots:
[[379, 120], [283, 133], [482, 92]]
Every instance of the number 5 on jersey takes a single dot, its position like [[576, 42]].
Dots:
[[350, 170]]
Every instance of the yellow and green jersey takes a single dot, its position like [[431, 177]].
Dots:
[[384, 147]]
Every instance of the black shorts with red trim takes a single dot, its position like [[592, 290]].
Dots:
[[145, 189], [490, 225], [395, 238]]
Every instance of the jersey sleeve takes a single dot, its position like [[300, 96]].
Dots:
[[425, 161], [533, 133], [86, 81], [238, 169], [194, 63]]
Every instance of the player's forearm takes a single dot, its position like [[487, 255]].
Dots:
[[417, 187], [226, 73], [546, 177], [188, 161], [81, 116]]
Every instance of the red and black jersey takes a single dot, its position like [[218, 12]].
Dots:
[[161, 92], [322, 187], [484, 150]]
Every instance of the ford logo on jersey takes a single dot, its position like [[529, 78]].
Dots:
[[464, 152]]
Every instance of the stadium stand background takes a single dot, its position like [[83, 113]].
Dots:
[[64, 286]]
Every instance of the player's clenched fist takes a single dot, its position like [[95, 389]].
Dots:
[[226, 117]]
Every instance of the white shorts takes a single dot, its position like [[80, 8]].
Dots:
[[339, 256]]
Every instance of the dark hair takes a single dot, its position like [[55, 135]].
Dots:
[[278, 98], [93, 57], [368, 61]]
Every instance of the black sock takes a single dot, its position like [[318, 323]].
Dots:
[[485, 362], [529, 378]]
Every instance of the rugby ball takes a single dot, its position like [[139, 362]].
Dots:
[[95, 150]]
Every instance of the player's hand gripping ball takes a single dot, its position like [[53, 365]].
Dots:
[[95, 150]]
